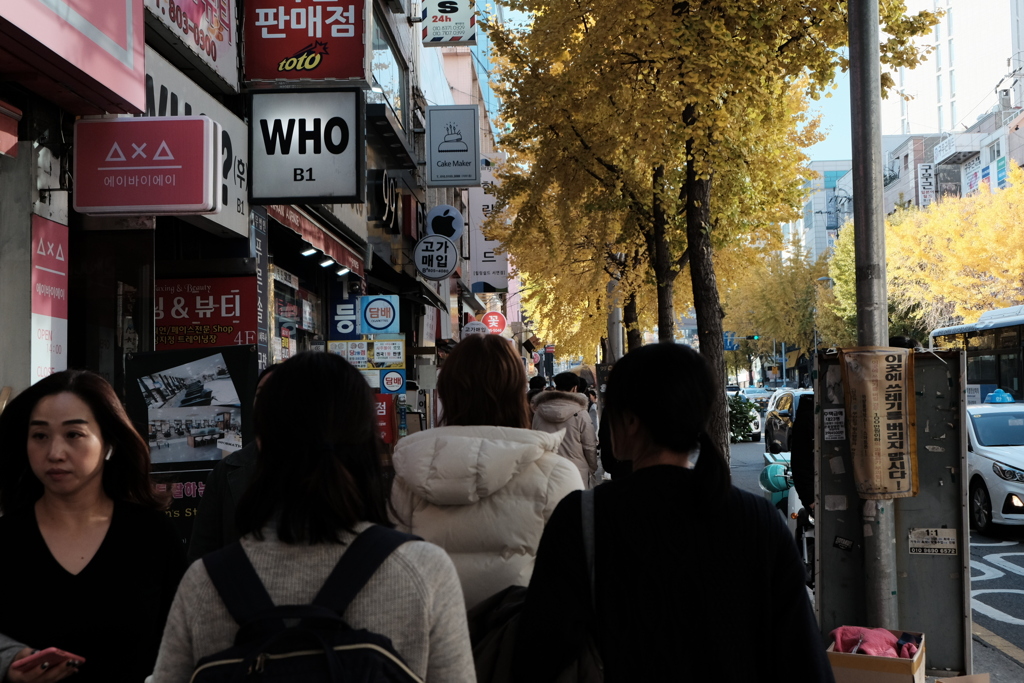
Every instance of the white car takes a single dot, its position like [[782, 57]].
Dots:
[[995, 464]]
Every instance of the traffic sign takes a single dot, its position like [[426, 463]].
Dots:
[[435, 257], [495, 322], [729, 341], [151, 165]]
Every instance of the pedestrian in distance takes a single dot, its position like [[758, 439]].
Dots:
[[565, 410], [318, 486], [692, 579], [215, 522], [91, 562], [483, 484]]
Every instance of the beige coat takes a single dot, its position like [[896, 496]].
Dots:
[[557, 410], [483, 494]]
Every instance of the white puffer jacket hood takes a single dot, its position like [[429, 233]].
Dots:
[[461, 465], [483, 494], [558, 406]]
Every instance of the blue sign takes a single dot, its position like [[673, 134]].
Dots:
[[392, 381], [378, 314], [729, 340], [344, 318]]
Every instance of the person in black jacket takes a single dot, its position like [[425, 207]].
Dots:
[[694, 579]]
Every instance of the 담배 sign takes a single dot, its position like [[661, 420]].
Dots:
[[378, 314], [878, 384], [435, 257], [151, 165]]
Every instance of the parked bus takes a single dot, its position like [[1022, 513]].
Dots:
[[993, 346]]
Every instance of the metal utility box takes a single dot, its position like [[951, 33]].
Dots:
[[932, 535]]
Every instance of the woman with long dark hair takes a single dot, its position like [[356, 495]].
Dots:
[[91, 562], [482, 485], [693, 579], [318, 485]]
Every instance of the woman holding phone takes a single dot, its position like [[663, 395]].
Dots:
[[92, 561]]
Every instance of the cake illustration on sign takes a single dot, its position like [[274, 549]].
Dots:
[[452, 140]]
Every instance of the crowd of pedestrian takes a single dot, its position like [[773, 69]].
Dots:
[[658, 570]]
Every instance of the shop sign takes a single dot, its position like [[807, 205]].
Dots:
[[445, 220], [307, 148], [208, 31], [494, 321], [925, 184], [435, 257], [203, 312], [378, 314], [376, 354], [308, 41], [453, 145], [284, 277], [169, 92], [488, 268], [386, 201], [385, 410], [158, 165], [97, 47], [475, 327], [878, 385], [49, 345], [1001, 172], [392, 381], [448, 23], [258, 248], [344, 316]]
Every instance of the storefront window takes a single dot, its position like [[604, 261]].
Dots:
[[388, 74], [298, 319]]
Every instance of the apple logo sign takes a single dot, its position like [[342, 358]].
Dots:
[[446, 221]]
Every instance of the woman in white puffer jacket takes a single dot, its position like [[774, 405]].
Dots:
[[483, 485]]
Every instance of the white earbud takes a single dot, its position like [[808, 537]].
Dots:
[[110, 452]]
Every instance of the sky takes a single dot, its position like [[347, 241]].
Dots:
[[835, 123]]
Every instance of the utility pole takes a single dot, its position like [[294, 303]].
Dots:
[[614, 326], [872, 302]]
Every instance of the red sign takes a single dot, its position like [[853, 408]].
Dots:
[[49, 298], [203, 312], [495, 322], [87, 56], [153, 165], [321, 40], [385, 405]]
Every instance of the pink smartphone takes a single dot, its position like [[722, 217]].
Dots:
[[51, 656]]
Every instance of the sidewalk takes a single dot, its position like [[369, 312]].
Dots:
[[1002, 660]]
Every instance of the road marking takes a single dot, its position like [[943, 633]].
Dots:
[[999, 643], [987, 572], [997, 560], [992, 612], [1002, 543]]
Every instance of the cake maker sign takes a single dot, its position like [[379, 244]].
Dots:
[[453, 146]]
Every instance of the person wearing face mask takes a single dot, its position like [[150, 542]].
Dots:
[[94, 560]]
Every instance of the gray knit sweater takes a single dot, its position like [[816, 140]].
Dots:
[[414, 599]]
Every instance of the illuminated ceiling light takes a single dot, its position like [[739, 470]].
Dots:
[[326, 262], [344, 270], [309, 252], [376, 88]]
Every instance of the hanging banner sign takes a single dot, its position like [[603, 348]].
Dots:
[[453, 145], [878, 383], [307, 148], [49, 340], [169, 92], [152, 165], [448, 22], [435, 257], [308, 40], [488, 268], [925, 184], [206, 30]]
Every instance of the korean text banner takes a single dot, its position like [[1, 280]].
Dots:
[[205, 312], [878, 384], [207, 30], [448, 22], [488, 268], [322, 40]]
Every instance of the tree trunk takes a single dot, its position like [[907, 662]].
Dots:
[[661, 260], [631, 319], [705, 299]]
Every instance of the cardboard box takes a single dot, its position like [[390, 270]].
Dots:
[[859, 668]]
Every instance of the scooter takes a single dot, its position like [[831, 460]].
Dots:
[[775, 479]]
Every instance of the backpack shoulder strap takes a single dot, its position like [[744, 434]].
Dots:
[[589, 536], [358, 563], [237, 582]]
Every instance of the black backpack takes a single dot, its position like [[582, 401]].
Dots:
[[303, 642]]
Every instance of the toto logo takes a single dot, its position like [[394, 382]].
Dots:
[[379, 314]]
